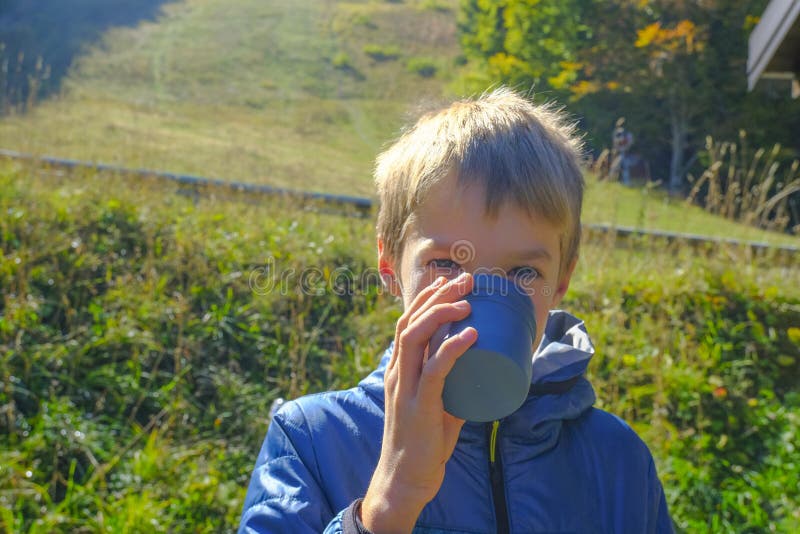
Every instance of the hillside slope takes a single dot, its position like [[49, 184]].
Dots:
[[298, 94], [145, 334]]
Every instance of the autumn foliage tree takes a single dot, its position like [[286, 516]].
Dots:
[[674, 68]]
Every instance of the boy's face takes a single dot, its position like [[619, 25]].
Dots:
[[452, 233]]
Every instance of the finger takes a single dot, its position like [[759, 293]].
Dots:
[[441, 290], [432, 378], [402, 323], [454, 289], [422, 297], [437, 339], [448, 291], [414, 340]]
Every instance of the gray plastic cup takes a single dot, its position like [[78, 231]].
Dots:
[[492, 378]]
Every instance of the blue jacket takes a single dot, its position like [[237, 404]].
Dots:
[[558, 464]]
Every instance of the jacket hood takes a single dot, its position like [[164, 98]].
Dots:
[[563, 355]]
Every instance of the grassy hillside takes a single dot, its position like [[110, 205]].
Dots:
[[142, 340], [55, 32], [298, 94], [652, 208]]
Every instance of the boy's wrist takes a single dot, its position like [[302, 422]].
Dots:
[[384, 513]]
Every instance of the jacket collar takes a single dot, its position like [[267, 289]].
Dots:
[[563, 354]]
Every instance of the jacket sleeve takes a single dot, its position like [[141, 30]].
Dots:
[[348, 522], [285, 493]]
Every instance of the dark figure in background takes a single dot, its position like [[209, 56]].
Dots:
[[621, 159]]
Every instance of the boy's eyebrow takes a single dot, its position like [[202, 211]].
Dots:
[[534, 254], [434, 244], [522, 255]]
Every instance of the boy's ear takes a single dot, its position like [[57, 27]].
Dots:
[[563, 282], [386, 268]]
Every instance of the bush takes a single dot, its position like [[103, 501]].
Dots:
[[363, 19], [435, 5], [342, 61], [141, 355], [382, 53], [144, 336], [422, 66]]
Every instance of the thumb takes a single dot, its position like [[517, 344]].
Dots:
[[436, 369]]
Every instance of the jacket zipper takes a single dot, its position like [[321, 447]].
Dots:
[[496, 477]]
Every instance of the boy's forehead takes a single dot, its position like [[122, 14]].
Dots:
[[454, 212], [454, 189], [457, 197]]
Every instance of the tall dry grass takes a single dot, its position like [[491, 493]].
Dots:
[[758, 189]]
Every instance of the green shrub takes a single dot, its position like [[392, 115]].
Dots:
[[435, 5], [382, 53], [422, 66], [144, 336], [342, 61], [362, 19], [135, 338]]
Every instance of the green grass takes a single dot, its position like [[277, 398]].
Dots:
[[137, 363], [251, 91], [245, 91], [653, 209], [140, 349]]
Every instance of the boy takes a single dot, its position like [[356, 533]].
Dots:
[[492, 184]]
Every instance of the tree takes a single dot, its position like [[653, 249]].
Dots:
[[674, 68]]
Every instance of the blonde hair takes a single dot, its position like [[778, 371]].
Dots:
[[518, 151]]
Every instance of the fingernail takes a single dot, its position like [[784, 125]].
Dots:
[[460, 278], [462, 304], [468, 333], [439, 281]]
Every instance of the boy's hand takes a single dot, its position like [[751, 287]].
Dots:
[[418, 435]]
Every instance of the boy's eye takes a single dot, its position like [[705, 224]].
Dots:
[[445, 266], [523, 275]]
